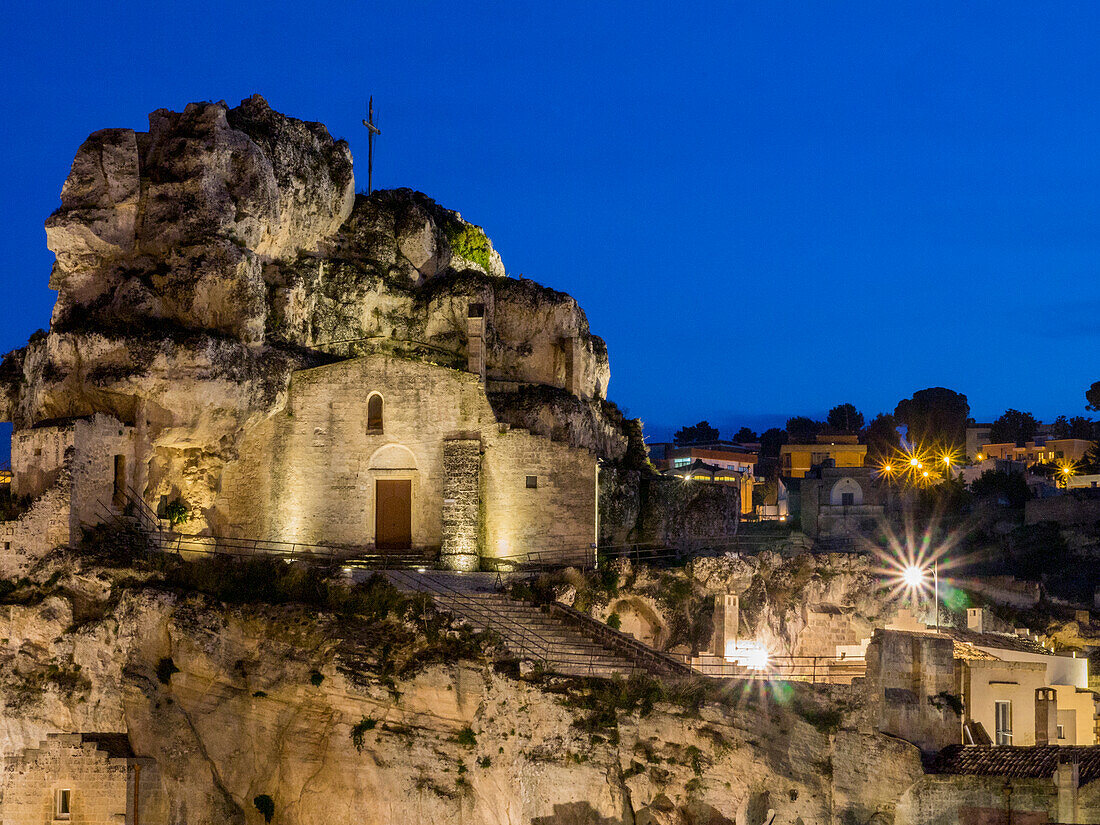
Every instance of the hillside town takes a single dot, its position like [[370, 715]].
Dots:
[[315, 513]]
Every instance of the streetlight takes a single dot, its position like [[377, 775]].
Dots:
[[915, 578]]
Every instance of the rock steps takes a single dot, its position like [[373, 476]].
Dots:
[[526, 630]]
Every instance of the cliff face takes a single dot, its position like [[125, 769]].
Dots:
[[282, 701], [201, 262]]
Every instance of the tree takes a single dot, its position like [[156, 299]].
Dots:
[[934, 417], [802, 430], [745, 436], [1010, 488], [698, 434], [1015, 426], [881, 435], [1091, 462], [845, 418], [770, 442], [1092, 395], [1076, 427]]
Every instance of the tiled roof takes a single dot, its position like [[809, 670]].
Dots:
[[1002, 760], [997, 640]]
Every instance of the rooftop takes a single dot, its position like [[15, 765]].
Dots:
[[1017, 761]]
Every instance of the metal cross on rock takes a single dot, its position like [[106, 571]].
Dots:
[[372, 130]]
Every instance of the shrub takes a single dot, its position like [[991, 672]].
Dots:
[[265, 805], [469, 242], [316, 677], [177, 512], [945, 700], [165, 668], [466, 737], [360, 728], [824, 720], [485, 762], [614, 622]]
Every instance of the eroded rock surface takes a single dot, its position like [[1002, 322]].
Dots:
[[274, 700], [200, 263]]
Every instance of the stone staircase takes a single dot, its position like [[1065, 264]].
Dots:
[[526, 630]]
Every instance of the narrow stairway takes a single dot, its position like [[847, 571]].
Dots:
[[526, 630]]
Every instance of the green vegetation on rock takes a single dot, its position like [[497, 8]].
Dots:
[[468, 241]]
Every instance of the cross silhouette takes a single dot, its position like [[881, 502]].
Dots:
[[372, 130]]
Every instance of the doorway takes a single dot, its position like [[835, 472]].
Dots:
[[393, 514]]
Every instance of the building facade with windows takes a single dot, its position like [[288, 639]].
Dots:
[[727, 455], [1041, 450], [796, 460]]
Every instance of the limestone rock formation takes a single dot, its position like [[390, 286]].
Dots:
[[200, 263], [234, 702]]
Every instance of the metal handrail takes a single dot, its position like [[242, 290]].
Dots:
[[530, 642], [619, 639], [813, 669]]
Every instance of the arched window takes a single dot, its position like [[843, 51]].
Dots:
[[374, 413]]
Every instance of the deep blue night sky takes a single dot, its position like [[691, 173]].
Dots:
[[765, 208]]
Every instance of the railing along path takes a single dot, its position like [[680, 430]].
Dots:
[[520, 637]]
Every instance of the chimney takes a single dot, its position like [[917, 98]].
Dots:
[[975, 619], [1046, 716]]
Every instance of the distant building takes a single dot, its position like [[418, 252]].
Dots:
[[841, 501], [725, 454], [796, 460], [700, 471], [1040, 450]]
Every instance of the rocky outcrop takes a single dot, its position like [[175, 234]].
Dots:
[[396, 277], [199, 263], [176, 223], [643, 507], [235, 703]]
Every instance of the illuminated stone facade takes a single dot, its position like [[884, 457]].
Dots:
[[92, 779], [311, 472]]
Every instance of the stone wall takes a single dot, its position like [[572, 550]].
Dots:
[[101, 786], [98, 440], [38, 456], [557, 514], [904, 671], [461, 499], [979, 800], [308, 474], [69, 471], [828, 626], [638, 507], [1074, 507], [44, 526]]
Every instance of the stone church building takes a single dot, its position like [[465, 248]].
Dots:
[[281, 360]]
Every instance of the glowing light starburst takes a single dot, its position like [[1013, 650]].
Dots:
[[1066, 470], [912, 565], [917, 465]]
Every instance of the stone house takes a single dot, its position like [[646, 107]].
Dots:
[[976, 686], [841, 501], [989, 785], [85, 779], [396, 454], [71, 472]]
